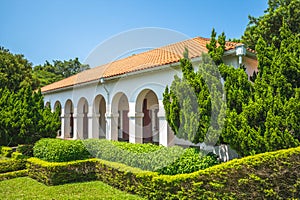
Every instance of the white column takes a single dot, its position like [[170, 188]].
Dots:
[[66, 125], [139, 127], [135, 124], [111, 126], [75, 124], [90, 116], [166, 137], [62, 127]]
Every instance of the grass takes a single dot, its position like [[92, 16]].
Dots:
[[27, 188]]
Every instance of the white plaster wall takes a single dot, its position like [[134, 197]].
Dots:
[[131, 86]]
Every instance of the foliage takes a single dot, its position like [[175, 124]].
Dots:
[[49, 73], [12, 165], [17, 156], [256, 177], [191, 160], [24, 119], [28, 189], [137, 148], [268, 26], [15, 71], [267, 175], [57, 150], [127, 154], [216, 48], [13, 174], [25, 149], [6, 151], [264, 115], [54, 173], [192, 103], [165, 160]]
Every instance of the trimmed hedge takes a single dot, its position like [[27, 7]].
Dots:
[[150, 157], [58, 150], [55, 173], [273, 175], [25, 149], [12, 165], [6, 151], [190, 161], [15, 174], [17, 156]]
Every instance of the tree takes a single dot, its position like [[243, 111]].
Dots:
[[264, 115], [15, 71], [192, 103], [49, 73], [268, 25], [24, 119]]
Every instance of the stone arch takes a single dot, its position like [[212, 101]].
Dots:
[[47, 104], [120, 109], [69, 119], [99, 121], [147, 108], [57, 105], [82, 118]]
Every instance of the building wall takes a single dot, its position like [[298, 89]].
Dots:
[[135, 87]]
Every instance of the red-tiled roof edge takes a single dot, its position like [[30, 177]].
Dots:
[[231, 45]]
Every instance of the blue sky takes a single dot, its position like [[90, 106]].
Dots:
[[63, 29]]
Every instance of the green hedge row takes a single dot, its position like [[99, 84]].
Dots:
[[273, 175], [55, 173], [150, 157], [12, 165], [6, 151], [57, 150], [15, 174]]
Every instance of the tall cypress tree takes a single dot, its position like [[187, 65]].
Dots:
[[193, 102], [266, 116]]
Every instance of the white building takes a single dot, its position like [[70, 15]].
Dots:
[[122, 100]]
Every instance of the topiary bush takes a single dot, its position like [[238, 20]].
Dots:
[[273, 175], [55, 173], [58, 150]]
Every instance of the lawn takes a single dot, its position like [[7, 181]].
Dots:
[[27, 188]]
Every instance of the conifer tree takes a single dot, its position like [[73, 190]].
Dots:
[[193, 100], [264, 115]]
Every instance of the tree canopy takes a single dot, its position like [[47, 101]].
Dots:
[[15, 71], [49, 73], [23, 117], [268, 26]]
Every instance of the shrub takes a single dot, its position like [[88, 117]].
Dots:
[[25, 149], [150, 157], [191, 160], [17, 156], [51, 173], [57, 150], [273, 175], [12, 165], [129, 154], [15, 174], [6, 151]]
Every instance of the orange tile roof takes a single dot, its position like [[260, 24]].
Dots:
[[156, 57]]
